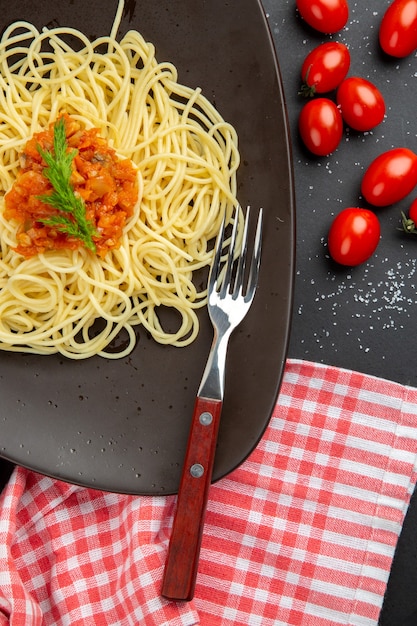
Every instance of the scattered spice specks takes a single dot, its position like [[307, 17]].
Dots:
[[380, 305]]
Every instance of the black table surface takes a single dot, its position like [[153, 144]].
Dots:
[[359, 318]]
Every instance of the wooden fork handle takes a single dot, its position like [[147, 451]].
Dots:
[[184, 547]]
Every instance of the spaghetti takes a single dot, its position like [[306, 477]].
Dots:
[[186, 157]]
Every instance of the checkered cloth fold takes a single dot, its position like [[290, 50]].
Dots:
[[302, 533]]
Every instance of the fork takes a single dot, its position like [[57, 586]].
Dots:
[[228, 303]]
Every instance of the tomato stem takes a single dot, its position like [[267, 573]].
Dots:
[[408, 225], [306, 90]]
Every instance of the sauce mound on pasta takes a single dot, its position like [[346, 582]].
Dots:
[[107, 185]]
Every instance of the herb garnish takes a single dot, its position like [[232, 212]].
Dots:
[[63, 198]]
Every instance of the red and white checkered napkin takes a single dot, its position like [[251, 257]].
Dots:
[[303, 533]]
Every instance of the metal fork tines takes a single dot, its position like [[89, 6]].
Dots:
[[229, 299], [231, 289]]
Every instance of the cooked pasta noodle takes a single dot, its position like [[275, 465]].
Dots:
[[186, 156]]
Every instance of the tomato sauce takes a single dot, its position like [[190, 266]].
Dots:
[[108, 186]]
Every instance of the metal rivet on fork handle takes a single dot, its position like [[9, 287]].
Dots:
[[206, 418], [196, 470]]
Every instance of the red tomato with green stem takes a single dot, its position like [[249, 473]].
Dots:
[[398, 28], [324, 68], [390, 177], [410, 222], [361, 103], [353, 236], [326, 16], [321, 126]]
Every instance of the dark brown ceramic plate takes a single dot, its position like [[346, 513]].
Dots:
[[122, 425]]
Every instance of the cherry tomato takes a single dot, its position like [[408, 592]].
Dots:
[[324, 68], [412, 212], [353, 236], [361, 103], [321, 126], [390, 177], [326, 16], [398, 28], [410, 223]]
